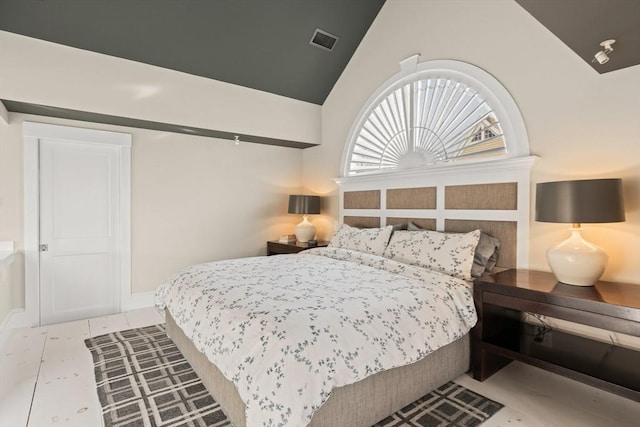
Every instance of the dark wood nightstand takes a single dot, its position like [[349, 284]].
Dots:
[[274, 247], [500, 336]]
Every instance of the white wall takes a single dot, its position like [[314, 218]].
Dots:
[[194, 199], [580, 123], [41, 72], [197, 199]]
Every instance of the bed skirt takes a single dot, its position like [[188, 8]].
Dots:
[[361, 404]]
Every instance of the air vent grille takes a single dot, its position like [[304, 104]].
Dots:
[[323, 40]]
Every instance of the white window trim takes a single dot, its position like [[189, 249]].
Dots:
[[33, 133], [503, 104]]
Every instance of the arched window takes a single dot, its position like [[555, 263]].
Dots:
[[435, 112]]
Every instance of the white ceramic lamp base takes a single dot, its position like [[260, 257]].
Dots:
[[305, 231], [576, 261]]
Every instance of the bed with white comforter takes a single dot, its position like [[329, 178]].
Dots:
[[287, 330]]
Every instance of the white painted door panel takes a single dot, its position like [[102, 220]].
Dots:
[[79, 194]]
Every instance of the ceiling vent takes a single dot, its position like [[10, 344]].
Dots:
[[323, 40]]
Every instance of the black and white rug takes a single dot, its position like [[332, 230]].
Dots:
[[143, 380]]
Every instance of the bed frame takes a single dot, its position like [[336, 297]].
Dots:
[[493, 196], [360, 404]]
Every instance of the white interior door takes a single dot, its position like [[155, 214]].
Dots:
[[79, 230]]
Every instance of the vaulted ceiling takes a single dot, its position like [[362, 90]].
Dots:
[[265, 44], [261, 44]]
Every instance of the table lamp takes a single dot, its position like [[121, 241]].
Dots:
[[305, 205], [576, 261]]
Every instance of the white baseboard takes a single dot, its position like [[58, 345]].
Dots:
[[15, 318], [139, 300], [19, 318]]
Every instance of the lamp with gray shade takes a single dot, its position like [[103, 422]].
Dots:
[[299, 204], [576, 261]]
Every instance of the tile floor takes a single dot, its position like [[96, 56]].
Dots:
[[46, 379]]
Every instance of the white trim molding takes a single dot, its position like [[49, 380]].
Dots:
[[488, 87], [140, 300], [33, 133], [8, 324], [4, 114]]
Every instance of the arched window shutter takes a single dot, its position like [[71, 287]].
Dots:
[[432, 117]]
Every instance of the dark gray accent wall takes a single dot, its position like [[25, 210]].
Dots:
[[261, 44], [65, 113]]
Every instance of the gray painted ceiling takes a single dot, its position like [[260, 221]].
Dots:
[[584, 24], [264, 44], [253, 43]]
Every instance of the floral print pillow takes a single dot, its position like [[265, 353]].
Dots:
[[368, 240], [485, 256], [448, 253]]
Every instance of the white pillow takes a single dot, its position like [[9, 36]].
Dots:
[[369, 240], [448, 253]]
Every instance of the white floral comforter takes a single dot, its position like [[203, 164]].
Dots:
[[288, 329]]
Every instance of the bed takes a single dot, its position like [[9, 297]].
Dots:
[[497, 204]]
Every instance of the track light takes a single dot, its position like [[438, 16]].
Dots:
[[602, 56]]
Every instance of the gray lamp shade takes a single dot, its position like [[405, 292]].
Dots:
[[299, 204], [582, 201]]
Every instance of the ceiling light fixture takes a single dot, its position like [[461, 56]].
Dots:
[[602, 55]]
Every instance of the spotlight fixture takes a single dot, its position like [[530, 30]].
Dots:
[[602, 55]]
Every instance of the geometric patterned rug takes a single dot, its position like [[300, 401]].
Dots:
[[448, 405], [143, 380]]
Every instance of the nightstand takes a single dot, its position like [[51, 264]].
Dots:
[[500, 336], [274, 247]]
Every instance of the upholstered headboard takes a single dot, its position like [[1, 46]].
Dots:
[[493, 196]]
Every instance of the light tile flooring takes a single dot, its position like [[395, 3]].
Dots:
[[46, 379]]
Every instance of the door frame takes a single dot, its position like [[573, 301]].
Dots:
[[33, 132]]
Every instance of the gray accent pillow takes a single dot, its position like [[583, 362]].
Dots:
[[398, 227], [486, 255], [412, 227], [484, 259]]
